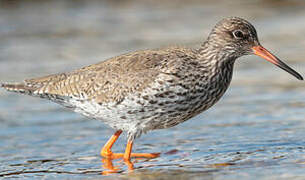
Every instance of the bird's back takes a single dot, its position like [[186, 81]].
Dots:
[[108, 81]]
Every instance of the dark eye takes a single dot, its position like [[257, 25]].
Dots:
[[238, 34]]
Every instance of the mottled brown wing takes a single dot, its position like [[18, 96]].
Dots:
[[108, 81]]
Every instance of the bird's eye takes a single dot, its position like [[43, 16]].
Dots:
[[238, 34]]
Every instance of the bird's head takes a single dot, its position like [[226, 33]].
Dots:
[[236, 37]]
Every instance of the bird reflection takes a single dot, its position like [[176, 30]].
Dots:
[[107, 164]]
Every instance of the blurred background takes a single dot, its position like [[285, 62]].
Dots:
[[256, 130]]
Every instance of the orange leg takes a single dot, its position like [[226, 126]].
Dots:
[[107, 153], [106, 150], [128, 154]]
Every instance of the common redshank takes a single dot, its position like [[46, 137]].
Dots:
[[152, 89]]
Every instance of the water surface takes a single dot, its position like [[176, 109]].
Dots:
[[256, 131]]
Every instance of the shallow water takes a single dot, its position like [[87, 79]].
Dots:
[[256, 131]]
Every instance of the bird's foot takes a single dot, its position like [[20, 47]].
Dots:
[[111, 155]]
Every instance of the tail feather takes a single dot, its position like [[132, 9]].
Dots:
[[18, 87]]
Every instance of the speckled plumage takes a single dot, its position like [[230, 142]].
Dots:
[[150, 89]]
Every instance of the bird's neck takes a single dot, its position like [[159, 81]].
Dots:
[[219, 64], [215, 57]]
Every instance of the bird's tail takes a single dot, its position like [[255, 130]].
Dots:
[[19, 88]]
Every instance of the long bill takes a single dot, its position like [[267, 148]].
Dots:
[[264, 53]]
